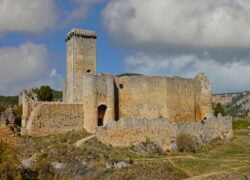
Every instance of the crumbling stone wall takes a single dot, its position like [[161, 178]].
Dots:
[[7, 118], [43, 118], [29, 101], [53, 118], [163, 132], [178, 99]]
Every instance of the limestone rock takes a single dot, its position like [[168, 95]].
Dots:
[[118, 165], [74, 168], [57, 165], [27, 163], [121, 164], [7, 117]]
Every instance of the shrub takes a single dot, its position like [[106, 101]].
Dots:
[[185, 143], [9, 163], [44, 93], [218, 109], [2, 108]]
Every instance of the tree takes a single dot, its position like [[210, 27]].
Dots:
[[44, 93], [218, 109]]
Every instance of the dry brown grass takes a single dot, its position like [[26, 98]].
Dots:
[[9, 162], [218, 157]]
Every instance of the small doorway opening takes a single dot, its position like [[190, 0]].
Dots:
[[101, 114]]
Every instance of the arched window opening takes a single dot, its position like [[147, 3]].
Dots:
[[101, 114]]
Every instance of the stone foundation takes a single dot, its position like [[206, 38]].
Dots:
[[163, 132]]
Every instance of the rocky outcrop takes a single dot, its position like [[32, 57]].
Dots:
[[7, 118], [163, 132], [235, 104]]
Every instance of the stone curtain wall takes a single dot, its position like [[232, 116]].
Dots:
[[54, 118], [163, 132], [43, 118], [178, 99]]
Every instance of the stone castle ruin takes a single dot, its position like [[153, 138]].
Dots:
[[123, 110]]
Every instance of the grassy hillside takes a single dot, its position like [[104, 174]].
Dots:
[[239, 106], [217, 160], [13, 100], [9, 100]]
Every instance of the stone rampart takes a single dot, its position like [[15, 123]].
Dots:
[[54, 118], [175, 98], [43, 118], [163, 132]]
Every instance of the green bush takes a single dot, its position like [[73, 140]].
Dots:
[[44, 93], [218, 109], [185, 143]]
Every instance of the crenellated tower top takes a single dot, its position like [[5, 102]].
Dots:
[[81, 33]]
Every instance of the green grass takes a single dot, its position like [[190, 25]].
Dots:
[[241, 124], [197, 167]]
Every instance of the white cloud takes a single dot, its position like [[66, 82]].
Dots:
[[25, 66], [81, 12], [31, 16], [229, 77], [195, 23], [183, 37]]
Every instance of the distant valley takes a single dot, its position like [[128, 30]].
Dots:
[[235, 104]]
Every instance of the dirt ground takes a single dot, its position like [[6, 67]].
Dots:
[[217, 160]]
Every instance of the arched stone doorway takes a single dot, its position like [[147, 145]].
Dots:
[[101, 114]]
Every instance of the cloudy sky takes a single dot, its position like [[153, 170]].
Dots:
[[163, 37]]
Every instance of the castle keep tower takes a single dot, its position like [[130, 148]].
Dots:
[[81, 61]]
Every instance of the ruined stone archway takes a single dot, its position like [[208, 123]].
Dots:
[[101, 114]]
